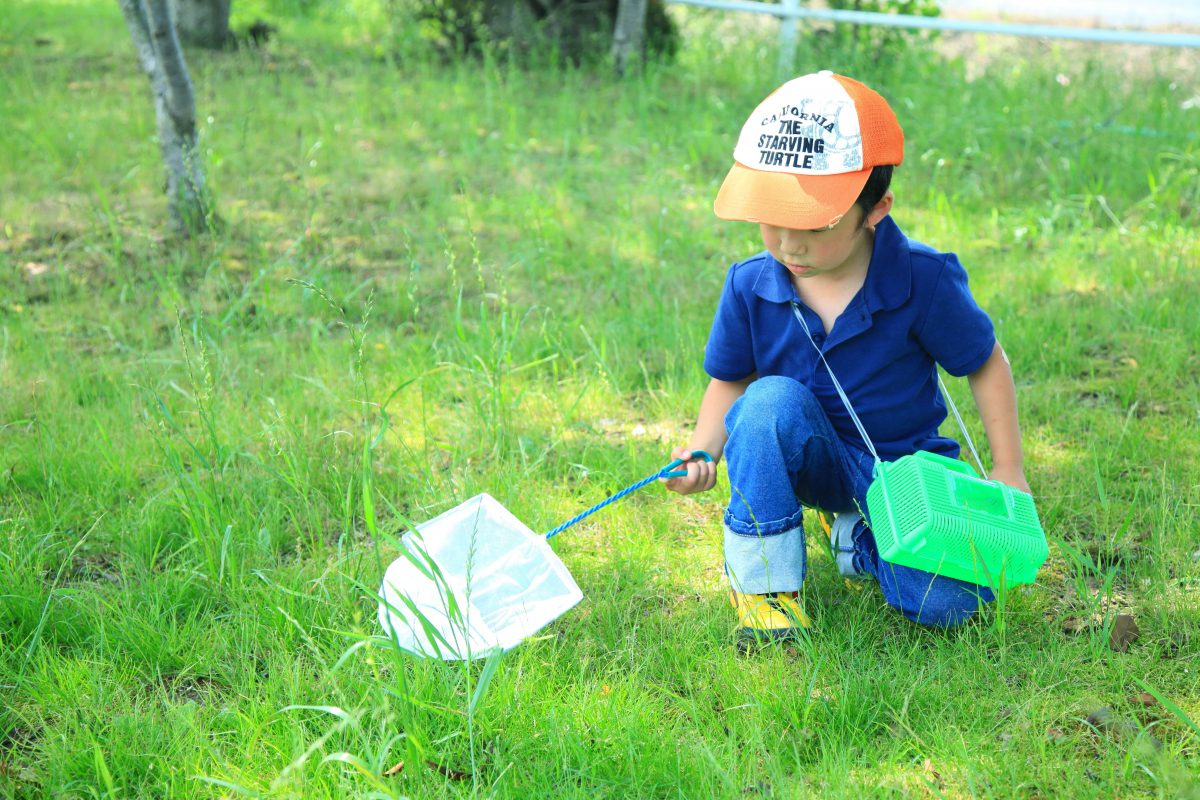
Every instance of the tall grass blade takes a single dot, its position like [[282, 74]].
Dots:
[[485, 677], [1168, 704]]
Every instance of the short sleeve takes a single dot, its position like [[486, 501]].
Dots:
[[956, 331], [729, 355]]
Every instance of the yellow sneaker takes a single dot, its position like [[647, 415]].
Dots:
[[766, 618]]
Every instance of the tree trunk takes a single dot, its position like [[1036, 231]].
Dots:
[[628, 34], [152, 27], [203, 23]]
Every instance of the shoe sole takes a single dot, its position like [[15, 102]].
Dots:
[[752, 639]]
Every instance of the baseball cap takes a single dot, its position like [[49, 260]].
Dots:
[[806, 152]]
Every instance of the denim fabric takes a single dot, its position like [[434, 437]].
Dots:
[[920, 596], [782, 454], [914, 309]]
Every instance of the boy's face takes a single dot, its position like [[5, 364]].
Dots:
[[828, 252]]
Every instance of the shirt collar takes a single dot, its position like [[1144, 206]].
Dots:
[[889, 276]]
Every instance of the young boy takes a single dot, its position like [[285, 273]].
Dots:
[[839, 289]]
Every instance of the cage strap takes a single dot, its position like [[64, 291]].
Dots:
[[862, 431]]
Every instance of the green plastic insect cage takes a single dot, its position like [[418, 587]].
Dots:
[[936, 514]]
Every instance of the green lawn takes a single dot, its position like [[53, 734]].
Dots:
[[437, 279]]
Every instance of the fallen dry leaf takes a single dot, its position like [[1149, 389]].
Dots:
[[1124, 633], [932, 773], [1143, 699]]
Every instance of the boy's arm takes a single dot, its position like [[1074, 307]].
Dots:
[[709, 435], [996, 398]]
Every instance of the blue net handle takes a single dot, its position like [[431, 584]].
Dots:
[[668, 471]]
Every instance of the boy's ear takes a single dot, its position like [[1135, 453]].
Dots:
[[881, 209]]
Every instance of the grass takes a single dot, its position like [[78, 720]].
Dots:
[[438, 279]]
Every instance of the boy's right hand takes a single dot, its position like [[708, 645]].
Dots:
[[701, 475]]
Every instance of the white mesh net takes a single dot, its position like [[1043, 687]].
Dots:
[[470, 580]]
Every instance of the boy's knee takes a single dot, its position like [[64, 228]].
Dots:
[[935, 601], [941, 615], [770, 402]]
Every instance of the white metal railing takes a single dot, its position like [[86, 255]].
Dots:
[[790, 10]]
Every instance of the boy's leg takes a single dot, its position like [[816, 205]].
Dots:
[[782, 451], [923, 597]]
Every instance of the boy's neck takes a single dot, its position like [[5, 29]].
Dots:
[[849, 278], [829, 295]]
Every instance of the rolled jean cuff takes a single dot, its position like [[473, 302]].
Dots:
[[761, 564], [772, 527]]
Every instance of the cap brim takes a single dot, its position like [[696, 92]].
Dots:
[[787, 200]]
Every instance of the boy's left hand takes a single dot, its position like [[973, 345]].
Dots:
[[1011, 476]]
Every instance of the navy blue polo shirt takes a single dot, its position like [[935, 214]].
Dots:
[[914, 309]]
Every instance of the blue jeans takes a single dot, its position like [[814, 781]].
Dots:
[[782, 454]]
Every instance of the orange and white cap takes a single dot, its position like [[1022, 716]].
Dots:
[[806, 152]]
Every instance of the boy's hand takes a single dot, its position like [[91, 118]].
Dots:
[[1011, 476], [701, 475]]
